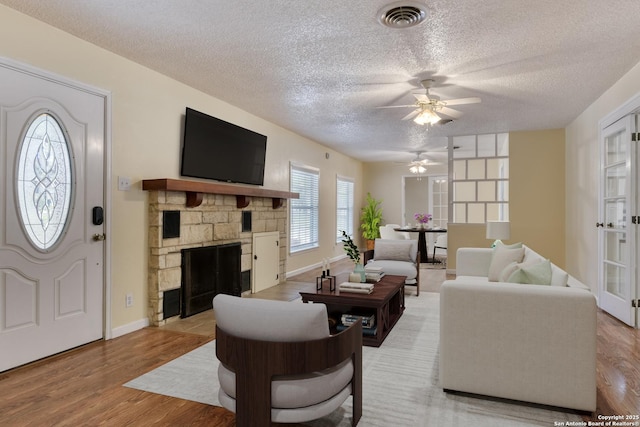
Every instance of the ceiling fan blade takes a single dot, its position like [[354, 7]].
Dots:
[[398, 106], [450, 112], [411, 115], [421, 97], [460, 101]]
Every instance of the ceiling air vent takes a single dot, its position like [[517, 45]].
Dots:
[[402, 14]]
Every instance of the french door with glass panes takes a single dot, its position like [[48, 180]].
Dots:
[[439, 200], [618, 220]]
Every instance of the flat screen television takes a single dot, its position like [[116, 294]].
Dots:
[[219, 150]]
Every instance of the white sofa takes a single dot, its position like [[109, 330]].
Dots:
[[526, 342]]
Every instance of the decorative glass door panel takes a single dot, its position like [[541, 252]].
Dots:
[[44, 181], [616, 240]]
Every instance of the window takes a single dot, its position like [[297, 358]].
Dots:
[[344, 207], [303, 212], [44, 182], [480, 178]]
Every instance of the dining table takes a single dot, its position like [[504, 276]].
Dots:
[[422, 238]]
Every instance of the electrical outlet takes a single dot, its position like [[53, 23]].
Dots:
[[129, 300], [124, 183]]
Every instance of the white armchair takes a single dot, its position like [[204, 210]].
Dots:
[[397, 257]]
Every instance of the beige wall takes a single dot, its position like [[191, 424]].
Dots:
[[536, 193], [583, 179], [385, 181], [146, 135], [465, 236], [416, 198]]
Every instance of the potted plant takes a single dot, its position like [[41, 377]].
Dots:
[[354, 253], [371, 217]]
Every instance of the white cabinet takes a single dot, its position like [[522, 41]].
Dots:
[[266, 261]]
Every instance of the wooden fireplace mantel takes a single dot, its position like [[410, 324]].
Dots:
[[195, 191]]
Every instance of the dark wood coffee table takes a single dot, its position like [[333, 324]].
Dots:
[[386, 302]]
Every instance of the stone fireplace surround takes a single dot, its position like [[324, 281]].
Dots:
[[217, 219]]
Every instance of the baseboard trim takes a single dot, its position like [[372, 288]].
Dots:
[[129, 327], [311, 267]]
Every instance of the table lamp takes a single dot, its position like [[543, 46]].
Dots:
[[498, 230]]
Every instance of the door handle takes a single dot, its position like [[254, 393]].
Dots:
[[609, 225], [599, 224], [99, 237]]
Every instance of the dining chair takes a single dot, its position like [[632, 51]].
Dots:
[[440, 249]]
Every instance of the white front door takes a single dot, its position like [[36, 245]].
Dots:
[[52, 138], [617, 223]]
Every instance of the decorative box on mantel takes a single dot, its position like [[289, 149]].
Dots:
[[209, 214]]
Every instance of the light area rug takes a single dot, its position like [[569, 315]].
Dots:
[[400, 382]]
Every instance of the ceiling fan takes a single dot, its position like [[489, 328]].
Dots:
[[419, 165], [428, 107]]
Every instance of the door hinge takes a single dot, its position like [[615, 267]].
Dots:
[[635, 136], [634, 219], [635, 303], [277, 243]]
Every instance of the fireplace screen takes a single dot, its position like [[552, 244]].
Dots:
[[206, 272]]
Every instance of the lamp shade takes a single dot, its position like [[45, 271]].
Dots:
[[498, 230]]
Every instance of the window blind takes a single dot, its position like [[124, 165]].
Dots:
[[344, 207], [303, 212]]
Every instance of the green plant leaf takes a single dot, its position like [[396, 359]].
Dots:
[[350, 248], [371, 218]]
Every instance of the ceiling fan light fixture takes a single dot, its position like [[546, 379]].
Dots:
[[427, 116], [417, 169]]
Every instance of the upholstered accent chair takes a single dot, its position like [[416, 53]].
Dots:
[[397, 257], [279, 363]]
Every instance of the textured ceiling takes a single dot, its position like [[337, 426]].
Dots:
[[321, 67]]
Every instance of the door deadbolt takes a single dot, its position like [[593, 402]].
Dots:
[[99, 237], [97, 215]]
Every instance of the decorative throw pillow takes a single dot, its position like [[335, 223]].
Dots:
[[501, 258], [538, 273], [508, 271], [512, 267], [559, 277], [395, 250], [511, 246]]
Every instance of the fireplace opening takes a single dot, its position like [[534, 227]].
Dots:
[[206, 272]]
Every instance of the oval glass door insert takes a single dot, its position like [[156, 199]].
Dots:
[[44, 181]]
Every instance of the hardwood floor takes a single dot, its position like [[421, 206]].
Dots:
[[618, 368], [84, 387]]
